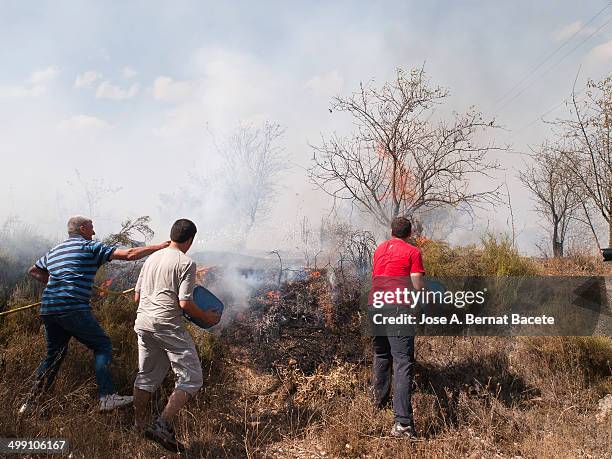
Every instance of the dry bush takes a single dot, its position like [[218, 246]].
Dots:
[[578, 367], [575, 264]]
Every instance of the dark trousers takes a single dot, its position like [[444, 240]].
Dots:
[[396, 352], [59, 328]]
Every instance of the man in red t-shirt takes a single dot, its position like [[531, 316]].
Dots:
[[396, 262]]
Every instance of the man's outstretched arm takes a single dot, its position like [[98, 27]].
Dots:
[[136, 253], [41, 275]]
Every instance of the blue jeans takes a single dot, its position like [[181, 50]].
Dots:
[[59, 328], [396, 352]]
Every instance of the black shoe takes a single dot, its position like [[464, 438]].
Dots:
[[163, 433]]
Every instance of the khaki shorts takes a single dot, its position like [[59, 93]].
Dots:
[[160, 350]]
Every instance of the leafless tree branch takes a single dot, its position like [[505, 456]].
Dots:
[[397, 161]]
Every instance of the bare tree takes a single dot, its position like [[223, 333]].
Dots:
[[253, 161], [589, 131], [343, 243], [554, 191], [359, 246], [397, 161], [280, 270], [312, 240], [94, 191]]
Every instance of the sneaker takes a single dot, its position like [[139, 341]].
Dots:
[[163, 433], [28, 404], [400, 431], [25, 408], [110, 402]]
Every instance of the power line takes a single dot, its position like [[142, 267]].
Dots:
[[554, 65], [540, 117], [549, 56], [567, 99]]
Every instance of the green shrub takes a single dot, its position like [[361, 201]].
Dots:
[[496, 256], [500, 258]]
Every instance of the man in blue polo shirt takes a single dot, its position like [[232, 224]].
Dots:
[[68, 270]]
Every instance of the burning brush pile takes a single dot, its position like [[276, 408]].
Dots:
[[306, 321]]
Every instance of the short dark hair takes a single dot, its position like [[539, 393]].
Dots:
[[182, 230], [401, 227]]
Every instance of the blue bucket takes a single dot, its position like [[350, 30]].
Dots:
[[206, 301]]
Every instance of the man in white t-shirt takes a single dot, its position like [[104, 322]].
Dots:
[[163, 291]]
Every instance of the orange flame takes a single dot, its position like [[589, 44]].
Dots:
[[403, 179], [104, 286]]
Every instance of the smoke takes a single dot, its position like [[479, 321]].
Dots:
[[20, 247], [235, 188], [21, 244], [235, 287]]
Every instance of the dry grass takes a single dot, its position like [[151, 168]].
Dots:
[[575, 265], [269, 392]]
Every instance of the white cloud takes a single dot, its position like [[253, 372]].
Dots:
[[601, 52], [326, 85], [35, 85], [166, 89], [82, 122], [566, 31], [40, 77], [129, 72], [86, 79], [107, 90]]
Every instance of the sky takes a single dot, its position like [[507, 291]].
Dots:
[[119, 99]]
